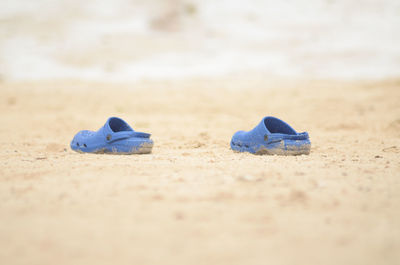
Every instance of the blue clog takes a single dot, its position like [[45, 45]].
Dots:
[[115, 137], [272, 136]]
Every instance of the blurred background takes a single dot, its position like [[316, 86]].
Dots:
[[131, 40]]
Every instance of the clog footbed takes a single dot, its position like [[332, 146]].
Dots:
[[115, 137], [271, 136]]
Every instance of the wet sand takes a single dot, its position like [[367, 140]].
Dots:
[[193, 200]]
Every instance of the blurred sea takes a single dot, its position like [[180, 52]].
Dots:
[[129, 40]]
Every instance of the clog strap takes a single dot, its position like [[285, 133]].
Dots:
[[276, 137], [125, 134]]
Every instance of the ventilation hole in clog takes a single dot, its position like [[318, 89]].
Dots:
[[77, 144], [239, 145], [246, 146], [266, 137], [84, 145], [108, 137]]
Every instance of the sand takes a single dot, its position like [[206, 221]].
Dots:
[[193, 200]]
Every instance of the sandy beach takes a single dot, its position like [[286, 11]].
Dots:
[[193, 200], [192, 73]]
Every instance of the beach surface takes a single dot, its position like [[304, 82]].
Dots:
[[193, 200], [192, 73]]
